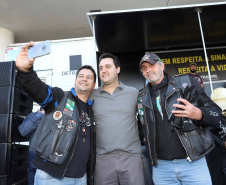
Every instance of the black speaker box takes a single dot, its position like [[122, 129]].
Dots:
[[8, 75], [13, 158], [14, 101], [3, 179], [9, 132], [17, 179]]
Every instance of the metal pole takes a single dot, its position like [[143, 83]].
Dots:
[[198, 10], [94, 35]]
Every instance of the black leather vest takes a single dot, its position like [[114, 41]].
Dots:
[[57, 131]]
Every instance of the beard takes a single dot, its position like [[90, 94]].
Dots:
[[82, 88], [156, 76], [193, 71]]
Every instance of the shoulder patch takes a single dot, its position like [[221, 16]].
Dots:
[[142, 92], [184, 85]]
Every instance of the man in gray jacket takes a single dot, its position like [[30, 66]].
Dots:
[[118, 146]]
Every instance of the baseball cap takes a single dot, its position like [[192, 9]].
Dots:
[[193, 63], [219, 97], [150, 58]]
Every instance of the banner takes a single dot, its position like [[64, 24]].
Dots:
[[178, 63]]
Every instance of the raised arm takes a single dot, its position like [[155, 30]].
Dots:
[[22, 62], [46, 96]]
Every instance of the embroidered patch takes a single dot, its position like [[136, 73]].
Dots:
[[146, 57], [184, 85], [141, 112], [60, 124], [71, 124], [58, 154], [85, 119], [57, 115], [139, 100], [70, 105], [140, 106], [68, 112], [142, 120], [213, 113]]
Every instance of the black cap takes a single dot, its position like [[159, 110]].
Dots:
[[150, 58]]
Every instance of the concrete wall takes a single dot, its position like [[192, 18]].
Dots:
[[6, 38]]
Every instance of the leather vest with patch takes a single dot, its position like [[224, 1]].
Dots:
[[56, 132]]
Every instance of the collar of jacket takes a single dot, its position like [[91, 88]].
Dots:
[[146, 95], [74, 93]]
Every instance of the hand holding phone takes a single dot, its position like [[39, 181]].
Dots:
[[22, 61], [172, 116], [39, 49]]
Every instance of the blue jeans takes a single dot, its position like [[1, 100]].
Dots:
[[43, 178], [31, 168], [147, 167], [31, 175], [181, 171]]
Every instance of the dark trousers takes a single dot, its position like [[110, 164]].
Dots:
[[216, 161], [119, 168], [223, 164]]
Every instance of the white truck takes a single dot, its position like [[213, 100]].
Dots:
[[59, 67]]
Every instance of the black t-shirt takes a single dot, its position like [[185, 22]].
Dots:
[[168, 144], [78, 164]]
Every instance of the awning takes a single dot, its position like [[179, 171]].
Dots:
[[166, 28], [161, 29]]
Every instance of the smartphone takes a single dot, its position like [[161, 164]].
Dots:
[[39, 49]]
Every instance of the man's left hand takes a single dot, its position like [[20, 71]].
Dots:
[[188, 110]]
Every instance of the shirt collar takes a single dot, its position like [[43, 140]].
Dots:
[[121, 86], [74, 93]]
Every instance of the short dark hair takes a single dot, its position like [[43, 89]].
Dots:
[[87, 67], [109, 55]]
